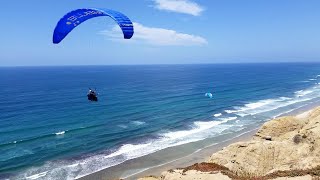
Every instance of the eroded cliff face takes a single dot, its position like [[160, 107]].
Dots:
[[285, 143]]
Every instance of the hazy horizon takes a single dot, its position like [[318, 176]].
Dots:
[[217, 63]]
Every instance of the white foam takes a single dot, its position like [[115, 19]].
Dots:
[[312, 79], [274, 106], [262, 104], [259, 106], [217, 115], [231, 111], [37, 176], [178, 143], [302, 93], [123, 126], [127, 148], [269, 105], [199, 126], [228, 119], [60, 133], [138, 123], [73, 165]]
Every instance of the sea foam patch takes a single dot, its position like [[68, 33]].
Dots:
[[127, 149], [37, 176], [199, 126], [217, 115], [60, 133], [267, 105], [302, 93], [138, 123]]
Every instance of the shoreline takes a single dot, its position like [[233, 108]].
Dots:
[[171, 157], [203, 154], [124, 170]]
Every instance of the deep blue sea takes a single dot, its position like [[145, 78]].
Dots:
[[49, 130]]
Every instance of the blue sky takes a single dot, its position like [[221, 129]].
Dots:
[[166, 32]]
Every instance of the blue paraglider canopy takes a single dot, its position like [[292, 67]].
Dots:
[[71, 20], [209, 95]]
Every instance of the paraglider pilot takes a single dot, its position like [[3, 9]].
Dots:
[[92, 95]]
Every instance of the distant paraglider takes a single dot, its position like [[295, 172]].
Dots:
[[209, 95], [74, 18]]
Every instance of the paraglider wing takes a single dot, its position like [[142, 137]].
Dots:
[[209, 95], [71, 20]]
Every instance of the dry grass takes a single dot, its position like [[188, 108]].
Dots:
[[293, 173], [205, 167], [297, 139]]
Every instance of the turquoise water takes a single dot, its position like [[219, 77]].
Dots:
[[49, 130]]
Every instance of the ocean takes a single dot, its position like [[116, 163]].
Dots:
[[49, 130]]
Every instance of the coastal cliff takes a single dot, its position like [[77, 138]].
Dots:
[[283, 148]]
